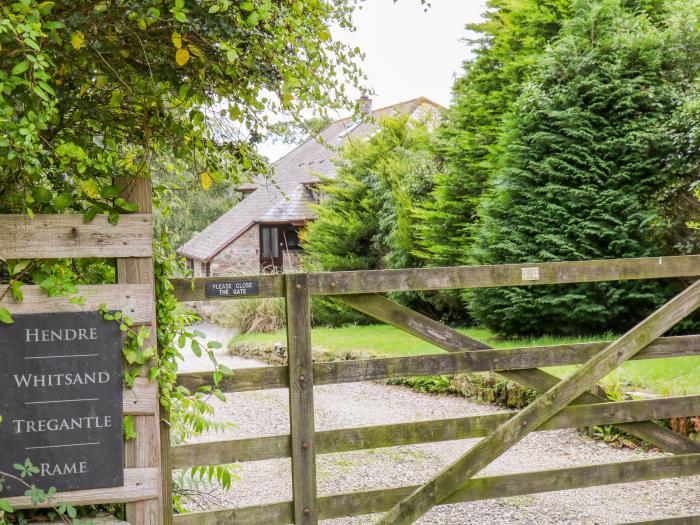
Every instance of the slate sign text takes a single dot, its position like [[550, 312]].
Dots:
[[61, 386], [230, 288]]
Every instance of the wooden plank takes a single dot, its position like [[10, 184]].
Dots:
[[269, 514], [480, 488], [539, 380], [265, 377], [232, 451], [534, 415], [411, 322], [194, 289], [139, 400], [301, 399], [378, 436], [241, 380], [145, 450], [492, 360], [134, 300], [68, 236], [510, 485], [413, 279], [139, 484]]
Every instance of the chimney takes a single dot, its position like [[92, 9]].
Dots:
[[365, 106]]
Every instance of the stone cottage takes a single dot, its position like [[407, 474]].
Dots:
[[261, 232]]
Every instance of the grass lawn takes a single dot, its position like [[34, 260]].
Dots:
[[674, 376]]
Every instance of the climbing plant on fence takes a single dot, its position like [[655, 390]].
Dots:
[[97, 94]]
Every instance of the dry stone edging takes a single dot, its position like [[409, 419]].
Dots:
[[276, 353]]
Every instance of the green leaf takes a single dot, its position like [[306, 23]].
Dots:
[[77, 39], [17, 290], [63, 200], [129, 431], [253, 19], [20, 266], [41, 195], [91, 213], [5, 506], [5, 316], [109, 192], [20, 68]]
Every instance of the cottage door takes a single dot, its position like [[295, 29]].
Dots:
[[270, 246]]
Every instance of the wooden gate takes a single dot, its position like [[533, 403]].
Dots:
[[145, 491], [569, 403]]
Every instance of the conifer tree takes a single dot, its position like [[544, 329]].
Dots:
[[587, 157], [366, 216], [509, 40]]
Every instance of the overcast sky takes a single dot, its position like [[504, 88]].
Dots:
[[410, 52]]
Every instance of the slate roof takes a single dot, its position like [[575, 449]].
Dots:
[[286, 198]]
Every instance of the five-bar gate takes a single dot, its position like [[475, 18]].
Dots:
[[572, 402]]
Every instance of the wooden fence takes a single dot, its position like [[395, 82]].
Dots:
[[570, 403], [145, 491]]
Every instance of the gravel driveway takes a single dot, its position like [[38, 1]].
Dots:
[[368, 403]]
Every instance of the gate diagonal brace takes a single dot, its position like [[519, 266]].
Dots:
[[551, 402], [447, 338]]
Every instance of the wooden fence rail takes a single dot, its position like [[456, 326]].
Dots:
[[480, 488], [266, 377], [399, 434], [464, 355], [411, 279]]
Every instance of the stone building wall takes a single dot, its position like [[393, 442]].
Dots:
[[240, 257]]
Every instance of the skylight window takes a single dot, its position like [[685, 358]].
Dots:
[[350, 128]]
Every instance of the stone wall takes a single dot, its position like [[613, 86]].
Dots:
[[241, 257]]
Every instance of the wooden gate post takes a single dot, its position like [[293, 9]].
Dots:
[[145, 449], [301, 399]]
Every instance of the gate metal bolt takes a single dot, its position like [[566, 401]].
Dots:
[[302, 378], [304, 445], [307, 511]]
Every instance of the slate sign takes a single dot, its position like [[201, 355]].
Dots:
[[61, 380], [230, 288]]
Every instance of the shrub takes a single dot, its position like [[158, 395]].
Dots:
[[587, 160], [249, 316]]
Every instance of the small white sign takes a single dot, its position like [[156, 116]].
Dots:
[[530, 274]]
